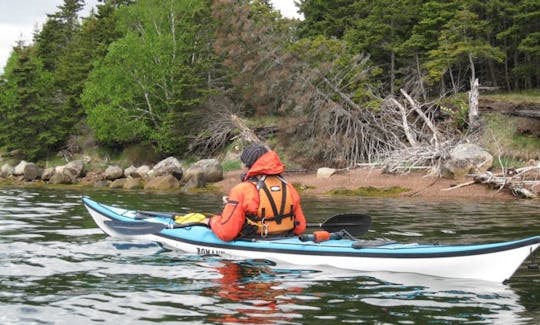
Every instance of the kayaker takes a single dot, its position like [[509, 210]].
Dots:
[[263, 204]]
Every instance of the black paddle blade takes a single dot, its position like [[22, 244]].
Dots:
[[146, 228], [355, 223], [134, 228]]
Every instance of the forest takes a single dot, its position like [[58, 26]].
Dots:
[[355, 81]]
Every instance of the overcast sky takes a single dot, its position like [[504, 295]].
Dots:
[[19, 19]]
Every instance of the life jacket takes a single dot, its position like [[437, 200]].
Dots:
[[275, 215]]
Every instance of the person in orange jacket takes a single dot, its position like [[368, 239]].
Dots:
[[263, 204]]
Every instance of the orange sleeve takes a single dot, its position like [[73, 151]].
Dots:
[[300, 228], [242, 199]]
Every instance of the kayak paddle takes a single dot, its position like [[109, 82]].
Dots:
[[145, 228], [354, 223]]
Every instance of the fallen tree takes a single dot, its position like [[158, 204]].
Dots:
[[523, 182]]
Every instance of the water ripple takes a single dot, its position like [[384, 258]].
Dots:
[[56, 267]]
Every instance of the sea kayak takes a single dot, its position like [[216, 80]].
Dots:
[[495, 262]]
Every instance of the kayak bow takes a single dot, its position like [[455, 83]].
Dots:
[[494, 262]]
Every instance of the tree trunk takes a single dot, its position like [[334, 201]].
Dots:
[[516, 79], [473, 105], [392, 72], [473, 71], [420, 79], [494, 82], [454, 87], [506, 74]]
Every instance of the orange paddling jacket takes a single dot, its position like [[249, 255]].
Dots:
[[264, 204]]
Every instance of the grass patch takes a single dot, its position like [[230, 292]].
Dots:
[[231, 165], [370, 191], [302, 187], [501, 139], [529, 96]]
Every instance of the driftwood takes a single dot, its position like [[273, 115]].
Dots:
[[522, 182]]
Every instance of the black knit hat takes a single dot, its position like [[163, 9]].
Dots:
[[252, 153]]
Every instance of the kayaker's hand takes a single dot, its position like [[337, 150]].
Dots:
[[225, 199]]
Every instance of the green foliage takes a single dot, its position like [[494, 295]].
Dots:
[[148, 86], [527, 96], [327, 18], [457, 108], [57, 33], [140, 71], [230, 165], [502, 139], [25, 107]]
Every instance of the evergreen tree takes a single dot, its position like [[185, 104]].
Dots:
[[57, 33], [330, 18], [88, 45], [382, 32], [461, 41], [522, 38], [27, 123]]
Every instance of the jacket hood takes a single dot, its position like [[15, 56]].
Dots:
[[268, 164]]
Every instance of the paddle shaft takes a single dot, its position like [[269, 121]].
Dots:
[[354, 223]]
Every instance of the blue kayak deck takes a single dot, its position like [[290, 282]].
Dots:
[[199, 235]]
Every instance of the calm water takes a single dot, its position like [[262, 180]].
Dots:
[[56, 267]]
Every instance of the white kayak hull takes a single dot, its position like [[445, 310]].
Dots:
[[495, 262]]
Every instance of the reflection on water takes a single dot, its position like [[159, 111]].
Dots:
[[57, 267]]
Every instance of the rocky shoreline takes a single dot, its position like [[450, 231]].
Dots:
[[208, 175], [168, 174]]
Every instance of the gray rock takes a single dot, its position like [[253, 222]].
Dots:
[[194, 177], [325, 172], [6, 171], [32, 172], [118, 183], [48, 173], [77, 166], [141, 172], [60, 178], [19, 169], [166, 182], [168, 166], [466, 159], [133, 183], [212, 169], [129, 171], [113, 172]]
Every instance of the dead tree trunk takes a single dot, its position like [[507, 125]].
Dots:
[[473, 105]]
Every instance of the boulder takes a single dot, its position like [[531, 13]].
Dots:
[[211, 168], [141, 172], [48, 173], [168, 166], [325, 172], [166, 182], [32, 172], [77, 166], [113, 172], [130, 170], [60, 178], [465, 159], [72, 173], [118, 183], [6, 170], [132, 183], [194, 177], [19, 169]]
